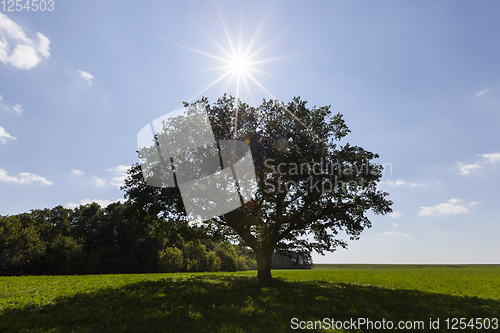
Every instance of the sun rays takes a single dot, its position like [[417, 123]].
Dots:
[[239, 65], [239, 61]]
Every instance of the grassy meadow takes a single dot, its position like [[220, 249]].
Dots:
[[235, 302]]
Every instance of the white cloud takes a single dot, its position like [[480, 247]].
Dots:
[[11, 108], [491, 158], [102, 203], [77, 172], [23, 178], [120, 175], [16, 49], [4, 136], [455, 201], [395, 214], [400, 182], [482, 92], [395, 234], [466, 169], [43, 45], [395, 225], [99, 182], [453, 206], [16, 108], [86, 76]]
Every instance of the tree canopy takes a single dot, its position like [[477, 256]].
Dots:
[[94, 240], [311, 186]]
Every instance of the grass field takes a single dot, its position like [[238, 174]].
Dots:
[[235, 302]]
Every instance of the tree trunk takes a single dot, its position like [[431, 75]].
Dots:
[[264, 258]]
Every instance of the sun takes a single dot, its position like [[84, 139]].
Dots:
[[239, 61], [239, 65]]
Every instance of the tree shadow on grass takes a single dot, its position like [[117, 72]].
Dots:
[[215, 303]]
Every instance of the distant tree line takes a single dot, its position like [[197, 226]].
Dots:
[[291, 260], [116, 239]]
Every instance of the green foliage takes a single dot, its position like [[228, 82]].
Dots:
[[171, 260], [20, 246], [95, 240], [195, 255], [236, 302], [228, 257], [291, 260], [214, 262], [64, 256], [246, 257], [299, 217]]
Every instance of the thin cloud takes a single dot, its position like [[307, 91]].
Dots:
[[395, 215], [482, 92], [453, 206], [400, 182], [395, 234], [4, 136], [77, 172], [100, 202], [467, 169], [23, 178], [120, 175], [16, 49], [99, 182], [43, 45], [86, 76], [17, 108]]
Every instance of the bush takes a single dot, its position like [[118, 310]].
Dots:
[[214, 262], [195, 255], [64, 256], [20, 246], [228, 257], [171, 260], [115, 239], [241, 264]]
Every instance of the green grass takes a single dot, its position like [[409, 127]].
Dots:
[[235, 302]]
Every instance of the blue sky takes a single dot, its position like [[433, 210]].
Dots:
[[417, 82]]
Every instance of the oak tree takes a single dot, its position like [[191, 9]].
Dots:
[[311, 183]]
